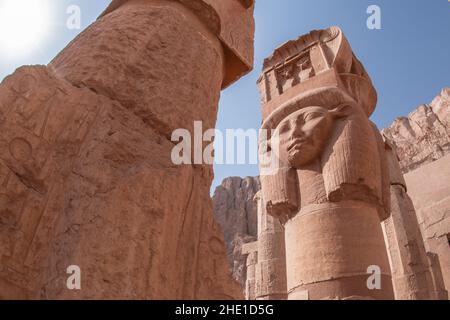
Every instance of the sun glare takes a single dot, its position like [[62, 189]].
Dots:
[[23, 26]]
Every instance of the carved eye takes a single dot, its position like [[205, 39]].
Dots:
[[285, 127], [312, 115]]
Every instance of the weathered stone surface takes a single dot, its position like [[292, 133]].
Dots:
[[236, 213], [330, 187], [250, 250], [411, 274], [231, 21], [440, 292], [271, 282], [429, 188], [86, 176], [255, 240], [422, 141], [146, 79], [424, 135]]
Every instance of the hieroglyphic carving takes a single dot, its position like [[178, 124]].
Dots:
[[41, 130], [296, 70]]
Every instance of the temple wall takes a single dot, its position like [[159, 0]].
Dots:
[[429, 189]]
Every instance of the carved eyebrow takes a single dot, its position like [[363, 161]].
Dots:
[[286, 125], [312, 115], [297, 120]]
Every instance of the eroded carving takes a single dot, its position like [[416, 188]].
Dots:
[[25, 84], [20, 149]]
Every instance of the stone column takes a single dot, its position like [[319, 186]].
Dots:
[[86, 173], [323, 168], [411, 276], [271, 271], [251, 251], [439, 293]]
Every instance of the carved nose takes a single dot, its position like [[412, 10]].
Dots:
[[297, 132]]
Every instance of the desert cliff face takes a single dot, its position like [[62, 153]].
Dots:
[[236, 213], [424, 135]]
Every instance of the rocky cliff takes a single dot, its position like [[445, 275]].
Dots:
[[424, 135], [235, 212]]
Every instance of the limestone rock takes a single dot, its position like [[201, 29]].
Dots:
[[424, 135], [236, 213], [441, 107]]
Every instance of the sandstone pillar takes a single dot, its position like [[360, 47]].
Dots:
[[440, 293], [330, 183], [271, 271], [86, 175], [251, 251], [411, 276]]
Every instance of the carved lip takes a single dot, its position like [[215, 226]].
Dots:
[[298, 142]]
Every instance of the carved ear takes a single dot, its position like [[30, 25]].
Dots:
[[342, 111]]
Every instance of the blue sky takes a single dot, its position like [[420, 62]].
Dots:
[[408, 59]]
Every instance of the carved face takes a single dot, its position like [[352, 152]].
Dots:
[[300, 138]]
